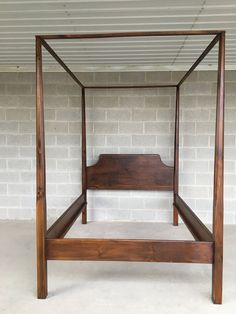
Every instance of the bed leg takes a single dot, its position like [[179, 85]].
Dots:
[[217, 277], [42, 290], [84, 216], [175, 216]]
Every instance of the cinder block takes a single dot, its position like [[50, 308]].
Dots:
[[131, 101], [68, 139], [18, 139], [165, 115], [53, 101], [18, 89], [156, 128], [3, 189], [63, 89], [143, 215], [106, 127], [57, 152], [107, 78], [196, 115], [118, 140], [207, 76], [8, 101], [95, 115], [9, 152], [157, 101], [105, 101], [132, 77], [68, 114], [131, 127], [2, 89], [197, 88], [118, 115], [19, 189], [144, 115], [143, 140], [17, 164], [96, 140], [17, 115], [158, 77], [56, 127], [2, 114]]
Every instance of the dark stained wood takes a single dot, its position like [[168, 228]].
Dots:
[[130, 86], [218, 199], [63, 224], [176, 157], [194, 224], [202, 56], [130, 171], [130, 250], [84, 158], [145, 172], [58, 59], [41, 218], [133, 34]]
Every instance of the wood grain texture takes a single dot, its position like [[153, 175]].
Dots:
[[63, 224], [41, 214], [218, 199], [130, 86], [201, 57], [130, 250], [194, 224], [176, 156], [132, 34], [62, 63], [130, 172], [84, 155]]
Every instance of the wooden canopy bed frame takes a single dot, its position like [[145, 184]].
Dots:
[[131, 171]]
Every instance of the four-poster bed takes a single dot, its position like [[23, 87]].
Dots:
[[131, 172]]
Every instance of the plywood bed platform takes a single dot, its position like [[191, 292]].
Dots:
[[131, 172]]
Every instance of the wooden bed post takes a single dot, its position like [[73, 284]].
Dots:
[[218, 204], [84, 157], [176, 158], [41, 223]]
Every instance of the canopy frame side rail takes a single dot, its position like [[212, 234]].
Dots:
[[133, 34], [60, 61], [199, 231], [63, 224], [200, 58]]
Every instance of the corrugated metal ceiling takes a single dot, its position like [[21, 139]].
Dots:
[[21, 20]]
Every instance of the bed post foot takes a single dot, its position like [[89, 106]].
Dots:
[[217, 284], [84, 216], [42, 286], [175, 216]]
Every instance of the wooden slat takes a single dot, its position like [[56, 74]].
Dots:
[[130, 172], [201, 57], [62, 225], [59, 60], [194, 224], [130, 250]]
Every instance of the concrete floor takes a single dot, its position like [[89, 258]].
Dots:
[[110, 287]]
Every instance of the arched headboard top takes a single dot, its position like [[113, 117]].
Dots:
[[130, 172]]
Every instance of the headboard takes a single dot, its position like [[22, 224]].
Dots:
[[130, 172]]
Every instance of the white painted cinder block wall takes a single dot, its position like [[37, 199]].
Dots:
[[119, 121]]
